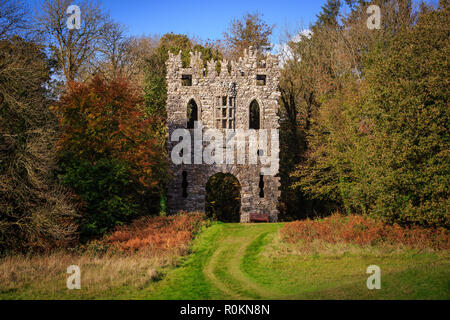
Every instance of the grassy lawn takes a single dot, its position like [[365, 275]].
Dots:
[[234, 261]]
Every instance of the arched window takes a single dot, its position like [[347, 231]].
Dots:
[[254, 115], [192, 114]]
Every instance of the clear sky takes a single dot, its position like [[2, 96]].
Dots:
[[208, 19]]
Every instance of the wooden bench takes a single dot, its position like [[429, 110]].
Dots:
[[258, 217]]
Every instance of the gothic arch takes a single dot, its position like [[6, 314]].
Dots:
[[261, 111], [197, 101], [224, 206]]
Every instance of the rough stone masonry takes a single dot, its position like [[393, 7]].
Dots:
[[222, 101]]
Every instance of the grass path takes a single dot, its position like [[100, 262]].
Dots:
[[239, 261], [216, 266], [224, 268], [208, 270]]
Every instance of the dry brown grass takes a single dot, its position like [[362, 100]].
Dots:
[[157, 234], [45, 276], [358, 231], [129, 259]]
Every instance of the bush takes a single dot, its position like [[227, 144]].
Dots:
[[158, 234], [363, 231], [106, 192], [108, 154]]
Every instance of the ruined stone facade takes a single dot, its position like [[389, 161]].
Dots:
[[223, 101]]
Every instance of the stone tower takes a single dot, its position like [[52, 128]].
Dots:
[[223, 100]]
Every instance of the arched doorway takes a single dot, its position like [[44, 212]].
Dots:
[[223, 198]]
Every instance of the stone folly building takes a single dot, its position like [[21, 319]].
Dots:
[[244, 95]]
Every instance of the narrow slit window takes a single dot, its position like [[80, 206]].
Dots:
[[261, 186], [184, 184]]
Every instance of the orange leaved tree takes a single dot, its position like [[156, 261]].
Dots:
[[109, 153]]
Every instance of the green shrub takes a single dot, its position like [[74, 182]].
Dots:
[[106, 191]]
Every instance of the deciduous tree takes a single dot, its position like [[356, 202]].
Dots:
[[250, 30], [73, 49], [35, 212], [108, 153]]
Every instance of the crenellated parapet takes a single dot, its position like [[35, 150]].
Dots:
[[246, 66]]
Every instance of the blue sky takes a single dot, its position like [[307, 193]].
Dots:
[[208, 19]]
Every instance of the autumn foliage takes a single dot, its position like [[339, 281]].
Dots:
[[158, 234], [363, 231], [378, 143], [104, 119], [109, 154]]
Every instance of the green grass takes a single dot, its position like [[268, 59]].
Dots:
[[404, 275], [248, 261], [232, 261]]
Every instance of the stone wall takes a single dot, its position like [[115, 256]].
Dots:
[[207, 89]]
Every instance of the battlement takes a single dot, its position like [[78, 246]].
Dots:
[[222, 100], [246, 67]]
